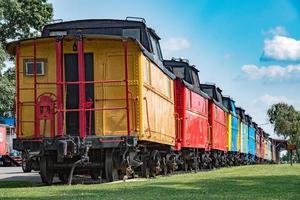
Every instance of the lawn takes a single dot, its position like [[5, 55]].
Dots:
[[246, 182]]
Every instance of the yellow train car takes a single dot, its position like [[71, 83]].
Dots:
[[229, 132], [93, 92]]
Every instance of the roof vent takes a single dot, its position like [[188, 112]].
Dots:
[[139, 19]]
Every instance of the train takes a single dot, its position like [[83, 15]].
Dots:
[[8, 156], [96, 97]]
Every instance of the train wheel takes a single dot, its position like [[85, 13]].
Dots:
[[46, 170], [26, 164], [145, 167], [155, 163], [63, 177], [111, 171], [95, 173], [186, 166], [164, 166]]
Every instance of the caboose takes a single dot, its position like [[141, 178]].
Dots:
[[243, 135], [191, 113], [232, 131], [218, 124], [93, 96], [251, 140]]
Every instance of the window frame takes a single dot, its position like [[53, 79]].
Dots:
[[155, 44], [135, 29], [43, 64]]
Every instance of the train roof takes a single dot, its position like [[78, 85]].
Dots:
[[215, 93], [227, 103], [241, 113], [131, 27], [248, 119], [187, 73], [255, 125]]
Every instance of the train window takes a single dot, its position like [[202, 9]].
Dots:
[[58, 33], [225, 103], [133, 33], [208, 91], [219, 96], [188, 76], [233, 108], [156, 48], [179, 72], [29, 68], [195, 79]]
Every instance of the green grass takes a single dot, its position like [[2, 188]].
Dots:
[[246, 182]]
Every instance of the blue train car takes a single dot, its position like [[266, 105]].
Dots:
[[230, 104], [233, 132], [251, 139]]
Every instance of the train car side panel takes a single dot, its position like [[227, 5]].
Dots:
[[196, 121], [234, 133], [158, 105], [244, 138], [219, 129], [229, 132], [251, 140]]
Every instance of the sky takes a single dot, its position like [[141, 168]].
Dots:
[[249, 48]]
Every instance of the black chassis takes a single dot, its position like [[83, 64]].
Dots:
[[72, 146]]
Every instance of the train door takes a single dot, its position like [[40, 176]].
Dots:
[[72, 93]]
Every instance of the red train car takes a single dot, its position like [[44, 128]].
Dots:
[[191, 113], [262, 146], [218, 121], [3, 143], [258, 144], [191, 107]]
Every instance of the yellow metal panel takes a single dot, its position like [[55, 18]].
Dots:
[[158, 106], [109, 63], [229, 132], [151, 102], [239, 135], [45, 50]]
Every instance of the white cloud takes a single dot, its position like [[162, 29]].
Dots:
[[175, 44], [278, 30], [270, 100], [272, 72], [282, 48]]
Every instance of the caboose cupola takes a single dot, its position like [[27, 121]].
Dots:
[[189, 74], [214, 92]]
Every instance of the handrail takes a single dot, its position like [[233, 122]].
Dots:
[[59, 107], [147, 113], [80, 82]]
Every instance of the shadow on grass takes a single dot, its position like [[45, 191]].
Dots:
[[261, 187], [18, 184]]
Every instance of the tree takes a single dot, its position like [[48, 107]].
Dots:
[[286, 122], [18, 19], [7, 91]]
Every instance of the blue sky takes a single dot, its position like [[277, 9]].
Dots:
[[251, 49]]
